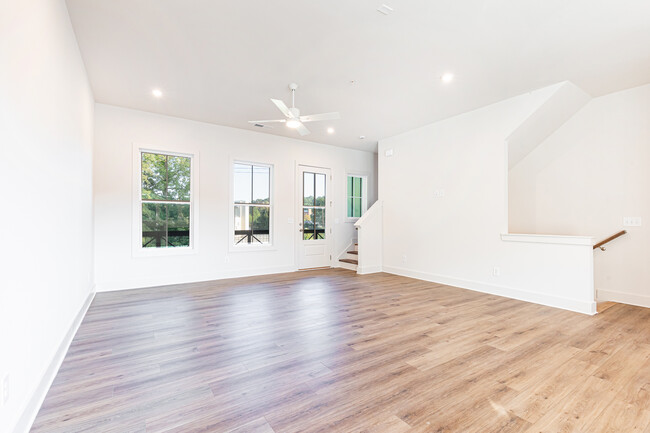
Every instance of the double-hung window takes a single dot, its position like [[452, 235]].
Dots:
[[252, 204], [165, 200], [356, 195]]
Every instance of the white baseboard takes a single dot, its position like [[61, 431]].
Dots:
[[348, 266], [30, 411], [508, 292], [140, 283], [624, 298], [369, 270]]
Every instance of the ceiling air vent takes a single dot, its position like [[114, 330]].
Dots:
[[385, 9]]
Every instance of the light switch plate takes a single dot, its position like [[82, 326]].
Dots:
[[388, 152], [632, 221]]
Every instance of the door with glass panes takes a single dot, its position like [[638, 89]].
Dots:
[[314, 209]]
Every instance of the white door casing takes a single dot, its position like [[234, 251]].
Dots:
[[313, 217]]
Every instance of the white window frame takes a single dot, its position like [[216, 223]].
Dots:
[[232, 248], [136, 247], [364, 194]]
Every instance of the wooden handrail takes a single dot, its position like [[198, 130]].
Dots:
[[609, 239]]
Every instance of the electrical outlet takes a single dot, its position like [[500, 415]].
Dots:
[[226, 259], [404, 258], [632, 221], [496, 271], [4, 389], [439, 193]]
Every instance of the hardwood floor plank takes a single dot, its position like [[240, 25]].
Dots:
[[332, 351]]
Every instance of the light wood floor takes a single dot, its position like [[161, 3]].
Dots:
[[330, 351]]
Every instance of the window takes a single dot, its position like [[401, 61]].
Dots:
[[165, 200], [252, 204], [356, 196]]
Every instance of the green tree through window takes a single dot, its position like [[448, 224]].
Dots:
[[165, 199], [355, 196]]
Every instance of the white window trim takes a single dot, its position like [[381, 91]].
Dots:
[[364, 195], [245, 248], [136, 247]]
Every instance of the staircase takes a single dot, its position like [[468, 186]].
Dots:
[[351, 258]]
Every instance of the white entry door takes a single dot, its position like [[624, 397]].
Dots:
[[314, 221]]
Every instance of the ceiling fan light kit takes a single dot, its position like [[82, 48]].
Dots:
[[293, 118]]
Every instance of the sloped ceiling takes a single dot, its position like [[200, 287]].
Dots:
[[221, 61]]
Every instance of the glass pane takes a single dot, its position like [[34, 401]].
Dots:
[[350, 206], [349, 186], [261, 185], [319, 223], [243, 183], [154, 176], [178, 225], [178, 178], [260, 217], [357, 207], [357, 187], [308, 223], [154, 225], [165, 225], [308, 189], [242, 220], [242, 224], [320, 190]]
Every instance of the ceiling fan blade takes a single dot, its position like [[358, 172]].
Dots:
[[322, 116], [268, 121], [285, 110], [302, 130]]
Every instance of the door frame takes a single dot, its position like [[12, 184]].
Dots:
[[329, 213]]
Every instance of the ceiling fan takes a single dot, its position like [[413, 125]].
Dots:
[[293, 118]]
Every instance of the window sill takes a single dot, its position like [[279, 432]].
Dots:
[[163, 252], [351, 220], [251, 248]]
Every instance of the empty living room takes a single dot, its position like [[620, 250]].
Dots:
[[335, 216]]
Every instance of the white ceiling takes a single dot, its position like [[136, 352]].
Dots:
[[221, 61]]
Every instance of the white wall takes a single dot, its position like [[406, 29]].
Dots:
[[46, 120], [444, 193], [584, 179], [116, 129]]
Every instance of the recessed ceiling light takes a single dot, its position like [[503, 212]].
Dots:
[[330, 130], [447, 77], [362, 137], [157, 93]]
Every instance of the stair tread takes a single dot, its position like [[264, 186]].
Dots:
[[352, 261], [353, 252]]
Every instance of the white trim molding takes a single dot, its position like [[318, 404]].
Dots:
[[192, 278], [547, 239], [624, 298], [33, 405], [508, 292], [368, 270]]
